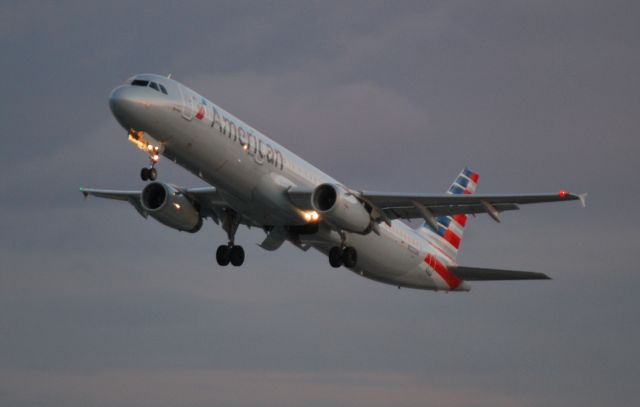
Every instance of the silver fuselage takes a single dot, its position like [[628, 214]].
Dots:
[[252, 173]]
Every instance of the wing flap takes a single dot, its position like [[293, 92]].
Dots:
[[411, 212], [484, 274], [209, 200], [407, 205], [385, 200]]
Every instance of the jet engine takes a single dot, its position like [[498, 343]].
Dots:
[[170, 207], [341, 208]]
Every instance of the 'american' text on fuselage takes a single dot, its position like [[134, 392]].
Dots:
[[254, 146]]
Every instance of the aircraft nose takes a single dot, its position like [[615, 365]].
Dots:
[[126, 104], [121, 100]]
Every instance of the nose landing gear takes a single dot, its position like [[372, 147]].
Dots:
[[142, 142], [148, 174], [151, 173]]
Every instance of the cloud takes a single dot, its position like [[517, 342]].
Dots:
[[103, 307], [188, 387]]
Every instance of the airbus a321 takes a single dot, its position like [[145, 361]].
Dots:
[[258, 183]]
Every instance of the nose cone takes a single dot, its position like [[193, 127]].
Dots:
[[126, 104]]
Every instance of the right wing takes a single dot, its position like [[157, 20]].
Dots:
[[133, 197], [482, 274], [208, 199]]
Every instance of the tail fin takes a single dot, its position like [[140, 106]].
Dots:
[[451, 228]]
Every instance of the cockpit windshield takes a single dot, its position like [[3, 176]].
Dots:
[[153, 85], [139, 82]]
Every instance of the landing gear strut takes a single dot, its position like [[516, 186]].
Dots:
[[230, 253]]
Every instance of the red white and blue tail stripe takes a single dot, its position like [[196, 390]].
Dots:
[[450, 228]]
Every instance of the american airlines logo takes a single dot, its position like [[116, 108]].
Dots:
[[261, 151]]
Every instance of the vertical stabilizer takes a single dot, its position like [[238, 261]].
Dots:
[[448, 234]]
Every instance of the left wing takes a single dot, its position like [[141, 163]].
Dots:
[[410, 206], [430, 206]]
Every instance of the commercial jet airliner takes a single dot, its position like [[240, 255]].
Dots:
[[258, 183]]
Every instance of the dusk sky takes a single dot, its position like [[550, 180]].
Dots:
[[100, 307]]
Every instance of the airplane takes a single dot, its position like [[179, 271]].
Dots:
[[256, 182]]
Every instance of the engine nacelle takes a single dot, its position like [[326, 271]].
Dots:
[[170, 207], [340, 208]]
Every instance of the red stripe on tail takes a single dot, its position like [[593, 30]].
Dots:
[[442, 270], [452, 238], [461, 219]]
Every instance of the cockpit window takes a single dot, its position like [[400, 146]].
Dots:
[[153, 85], [138, 82]]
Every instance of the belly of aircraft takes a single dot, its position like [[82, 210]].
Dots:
[[380, 258], [383, 258]]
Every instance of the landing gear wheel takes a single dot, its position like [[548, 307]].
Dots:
[[236, 255], [350, 257], [335, 257], [222, 255], [144, 174], [153, 174]]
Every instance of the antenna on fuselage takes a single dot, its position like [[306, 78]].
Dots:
[[169, 76]]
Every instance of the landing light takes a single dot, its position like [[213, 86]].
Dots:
[[177, 205], [311, 216]]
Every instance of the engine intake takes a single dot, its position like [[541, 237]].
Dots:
[[341, 208], [170, 207]]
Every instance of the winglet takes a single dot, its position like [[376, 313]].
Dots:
[[583, 199], [85, 193]]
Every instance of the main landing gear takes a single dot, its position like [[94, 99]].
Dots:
[[230, 253], [339, 256], [343, 255]]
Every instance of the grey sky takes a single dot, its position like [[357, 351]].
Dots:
[[100, 307]]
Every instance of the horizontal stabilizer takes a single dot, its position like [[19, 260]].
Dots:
[[481, 274]]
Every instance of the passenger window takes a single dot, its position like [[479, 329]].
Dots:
[[154, 85], [163, 89], [138, 82]]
